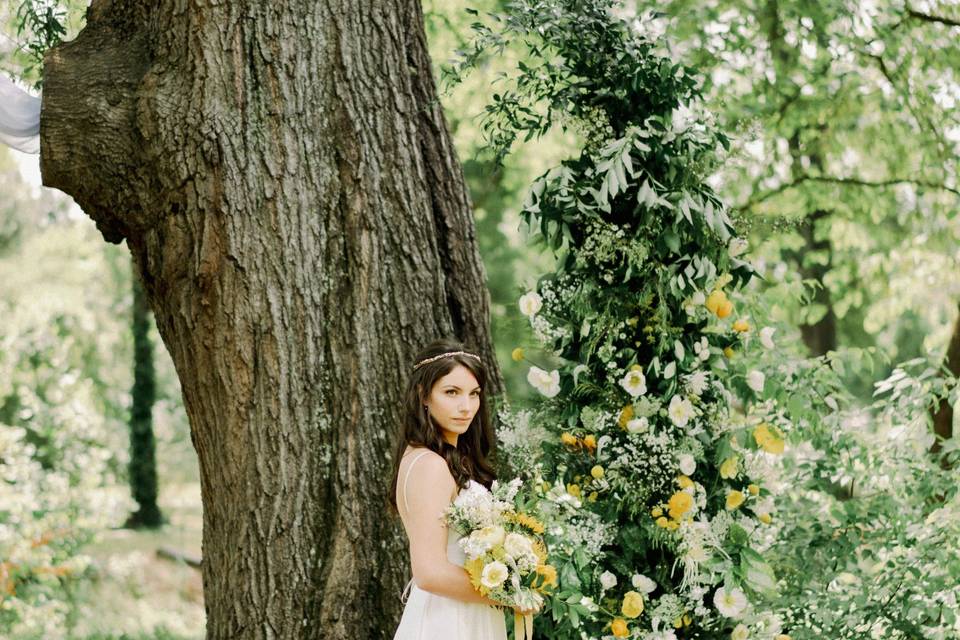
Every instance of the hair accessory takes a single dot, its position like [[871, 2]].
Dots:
[[445, 355]]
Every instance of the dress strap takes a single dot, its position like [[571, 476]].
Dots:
[[406, 478]]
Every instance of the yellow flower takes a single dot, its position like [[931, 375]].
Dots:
[[768, 438], [528, 521], [679, 504], [619, 628], [517, 354], [677, 622], [593, 496], [663, 522], [714, 301], [590, 441], [734, 499], [729, 468], [626, 415], [783, 636], [687, 620], [684, 482], [574, 490], [741, 326], [546, 577], [726, 308], [765, 518], [728, 352], [596, 472], [474, 569], [656, 512], [632, 604], [568, 439], [753, 489]]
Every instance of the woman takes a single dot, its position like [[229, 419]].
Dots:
[[445, 441], [19, 118]]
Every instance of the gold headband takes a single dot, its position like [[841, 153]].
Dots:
[[445, 355]]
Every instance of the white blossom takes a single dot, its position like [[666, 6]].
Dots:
[[730, 603], [755, 380], [680, 411], [635, 383], [530, 303], [643, 584], [687, 464], [546, 383], [766, 337], [608, 580]]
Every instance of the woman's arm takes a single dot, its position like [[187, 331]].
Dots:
[[429, 491]]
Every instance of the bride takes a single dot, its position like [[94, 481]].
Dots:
[[444, 445], [19, 118]]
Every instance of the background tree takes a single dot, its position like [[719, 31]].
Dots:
[[142, 469], [283, 178]]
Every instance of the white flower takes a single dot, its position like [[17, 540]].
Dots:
[[494, 574], [766, 337], [530, 304], [643, 584], [546, 383], [731, 603], [634, 382], [687, 464], [702, 348], [608, 580], [680, 411], [736, 247], [588, 603], [637, 425], [697, 383], [489, 536], [739, 632], [517, 545], [669, 370], [755, 380], [694, 302]]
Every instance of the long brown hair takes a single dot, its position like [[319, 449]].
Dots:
[[470, 458]]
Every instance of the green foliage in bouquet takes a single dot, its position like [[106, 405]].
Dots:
[[652, 477]]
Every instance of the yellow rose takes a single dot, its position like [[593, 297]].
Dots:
[[619, 628], [753, 489], [632, 604], [596, 472], [741, 326], [729, 468], [734, 499], [679, 504]]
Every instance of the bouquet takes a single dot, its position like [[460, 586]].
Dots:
[[506, 558]]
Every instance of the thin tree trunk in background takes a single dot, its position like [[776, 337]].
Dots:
[[942, 414], [283, 176], [820, 336], [143, 462]]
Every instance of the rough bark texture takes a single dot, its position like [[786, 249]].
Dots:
[[283, 176]]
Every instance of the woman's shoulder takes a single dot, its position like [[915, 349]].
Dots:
[[425, 462]]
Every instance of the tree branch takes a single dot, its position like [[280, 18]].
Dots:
[[926, 17], [754, 201]]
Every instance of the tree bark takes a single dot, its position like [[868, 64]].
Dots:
[[942, 413], [283, 176]]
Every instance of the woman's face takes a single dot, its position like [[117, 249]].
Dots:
[[453, 401]]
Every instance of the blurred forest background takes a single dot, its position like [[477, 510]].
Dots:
[[842, 173]]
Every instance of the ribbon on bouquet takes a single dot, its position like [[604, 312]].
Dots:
[[522, 626]]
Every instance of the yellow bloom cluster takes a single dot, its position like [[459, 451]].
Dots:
[[527, 521], [718, 304], [588, 442]]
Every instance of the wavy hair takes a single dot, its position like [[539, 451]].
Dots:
[[470, 459]]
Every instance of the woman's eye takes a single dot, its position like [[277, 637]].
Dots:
[[449, 391]]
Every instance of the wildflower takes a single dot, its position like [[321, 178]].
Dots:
[[619, 628], [715, 300], [753, 489], [632, 605], [702, 348], [679, 504], [766, 337], [769, 438], [546, 383], [728, 352], [684, 482], [642, 583], [568, 439], [625, 415], [494, 574], [755, 380], [740, 632], [608, 580], [547, 575], [687, 464], [765, 518], [663, 522], [635, 383], [730, 603], [637, 425], [530, 304], [517, 354], [590, 441], [574, 490], [596, 472], [680, 411], [656, 512], [697, 382], [741, 326], [729, 468], [735, 499]]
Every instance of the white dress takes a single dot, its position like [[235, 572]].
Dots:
[[19, 118], [428, 616]]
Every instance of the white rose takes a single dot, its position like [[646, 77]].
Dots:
[[755, 380], [634, 382], [608, 580], [687, 464], [494, 574], [731, 603], [516, 545], [766, 337], [530, 303], [637, 425], [546, 383], [489, 536], [643, 584]]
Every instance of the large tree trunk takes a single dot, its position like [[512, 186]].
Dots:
[[283, 176]]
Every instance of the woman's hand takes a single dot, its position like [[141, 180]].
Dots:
[[524, 612]]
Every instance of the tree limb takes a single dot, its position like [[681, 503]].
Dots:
[[926, 17]]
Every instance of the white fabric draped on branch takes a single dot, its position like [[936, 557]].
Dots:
[[19, 118]]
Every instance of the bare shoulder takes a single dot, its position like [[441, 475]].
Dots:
[[430, 467]]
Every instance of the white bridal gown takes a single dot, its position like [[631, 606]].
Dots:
[[428, 616], [19, 118]]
